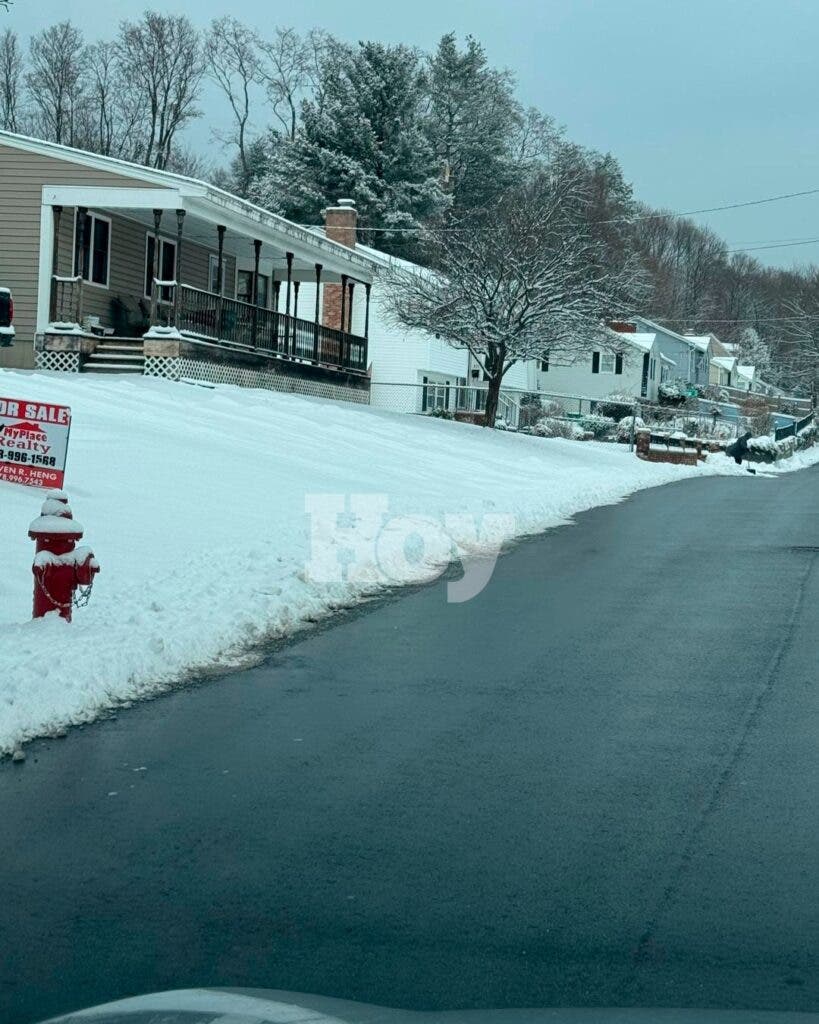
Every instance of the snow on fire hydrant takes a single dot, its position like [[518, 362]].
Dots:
[[60, 567]]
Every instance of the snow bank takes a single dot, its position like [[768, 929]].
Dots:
[[194, 501]]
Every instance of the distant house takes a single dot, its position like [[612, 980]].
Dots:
[[115, 266], [723, 371], [686, 357], [630, 366]]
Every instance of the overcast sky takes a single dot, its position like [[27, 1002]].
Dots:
[[704, 102]]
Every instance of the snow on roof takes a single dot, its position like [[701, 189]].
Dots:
[[639, 339], [746, 371], [205, 189], [689, 339], [724, 362], [665, 359]]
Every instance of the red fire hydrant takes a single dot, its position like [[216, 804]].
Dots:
[[59, 565]]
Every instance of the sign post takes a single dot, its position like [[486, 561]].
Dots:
[[33, 442]]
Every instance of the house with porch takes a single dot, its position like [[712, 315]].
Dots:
[[115, 266]]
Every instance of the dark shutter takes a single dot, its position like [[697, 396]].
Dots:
[[618, 363], [424, 395], [544, 362], [595, 362]]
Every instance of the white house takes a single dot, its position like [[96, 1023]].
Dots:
[[723, 371], [412, 371], [630, 367]]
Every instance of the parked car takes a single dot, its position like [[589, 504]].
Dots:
[[6, 318]]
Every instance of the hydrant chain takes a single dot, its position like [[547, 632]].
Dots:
[[60, 567]]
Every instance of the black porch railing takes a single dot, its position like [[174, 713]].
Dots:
[[230, 321], [66, 300]]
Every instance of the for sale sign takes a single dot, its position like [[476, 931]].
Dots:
[[33, 442]]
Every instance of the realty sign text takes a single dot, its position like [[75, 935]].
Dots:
[[33, 442]]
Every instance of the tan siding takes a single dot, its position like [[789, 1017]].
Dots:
[[127, 272], [22, 176]]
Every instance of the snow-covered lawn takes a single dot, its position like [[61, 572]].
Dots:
[[194, 501]]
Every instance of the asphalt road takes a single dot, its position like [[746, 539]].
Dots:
[[595, 784]]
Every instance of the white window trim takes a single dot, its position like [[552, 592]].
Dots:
[[93, 216], [609, 355], [163, 240]]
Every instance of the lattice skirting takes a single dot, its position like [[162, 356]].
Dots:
[[65, 362], [220, 373], [162, 366]]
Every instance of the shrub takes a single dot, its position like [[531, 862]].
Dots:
[[758, 413], [615, 407], [597, 426], [440, 414], [552, 408], [766, 449], [624, 427], [531, 409], [549, 426], [807, 437], [672, 393]]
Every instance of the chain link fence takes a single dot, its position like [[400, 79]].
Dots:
[[516, 408]]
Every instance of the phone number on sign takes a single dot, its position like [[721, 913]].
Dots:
[[26, 458]]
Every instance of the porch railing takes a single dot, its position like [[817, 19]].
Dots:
[[235, 322], [66, 300]]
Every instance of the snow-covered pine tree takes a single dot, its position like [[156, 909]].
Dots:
[[472, 123], [753, 351], [364, 140]]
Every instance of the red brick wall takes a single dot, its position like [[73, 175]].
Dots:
[[340, 226]]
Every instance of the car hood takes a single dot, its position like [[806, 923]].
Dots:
[[263, 1006]]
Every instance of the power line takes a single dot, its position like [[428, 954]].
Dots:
[[662, 215], [726, 206], [776, 245], [739, 319]]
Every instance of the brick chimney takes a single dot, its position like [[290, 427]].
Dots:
[[340, 222]]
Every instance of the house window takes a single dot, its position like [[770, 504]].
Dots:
[[93, 263], [544, 363], [653, 369], [607, 362], [244, 289], [165, 270]]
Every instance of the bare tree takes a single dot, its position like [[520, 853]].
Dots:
[[521, 281], [11, 77], [161, 57], [290, 67], [233, 63], [115, 119], [55, 81]]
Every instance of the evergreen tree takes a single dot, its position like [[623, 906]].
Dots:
[[363, 141], [473, 121]]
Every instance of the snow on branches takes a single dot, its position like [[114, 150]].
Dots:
[[521, 279]]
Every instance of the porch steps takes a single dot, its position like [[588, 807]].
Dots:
[[116, 355]]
